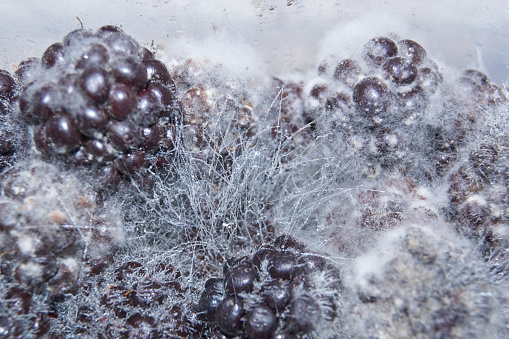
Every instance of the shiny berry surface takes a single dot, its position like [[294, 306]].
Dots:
[[372, 96], [229, 314], [378, 50]]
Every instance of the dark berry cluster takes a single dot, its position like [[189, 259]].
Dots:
[[478, 195], [10, 142], [48, 221], [100, 100], [384, 108], [394, 80], [352, 222], [281, 291], [219, 113], [478, 86], [130, 304], [407, 295], [19, 318]]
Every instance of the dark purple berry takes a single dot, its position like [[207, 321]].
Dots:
[[261, 322], [277, 294], [347, 71], [131, 73], [42, 105], [150, 137], [378, 50], [61, 134], [76, 36], [371, 96], [149, 109], [96, 55], [92, 121], [157, 72], [131, 163], [68, 85], [210, 299], [229, 315], [123, 135], [283, 265], [24, 70], [122, 44], [304, 315], [98, 150], [105, 30], [228, 264], [412, 51], [147, 54], [7, 85], [411, 101], [311, 263], [400, 70], [263, 255], [240, 279], [428, 80], [121, 101], [52, 55], [476, 79], [109, 177], [94, 81], [162, 93], [319, 91]]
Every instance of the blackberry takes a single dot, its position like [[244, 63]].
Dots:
[[70, 219], [479, 86], [141, 301], [12, 144], [380, 113], [478, 192], [402, 291], [100, 99], [288, 289], [352, 222], [219, 112]]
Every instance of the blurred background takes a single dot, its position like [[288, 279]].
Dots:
[[286, 33]]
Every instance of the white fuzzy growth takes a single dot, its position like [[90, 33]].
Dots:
[[26, 244], [423, 275]]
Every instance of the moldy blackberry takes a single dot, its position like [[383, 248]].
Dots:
[[102, 102], [12, 133], [49, 221], [282, 289], [381, 110]]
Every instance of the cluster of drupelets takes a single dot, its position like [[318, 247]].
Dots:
[[179, 198]]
